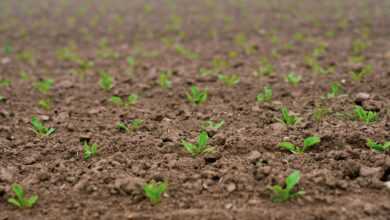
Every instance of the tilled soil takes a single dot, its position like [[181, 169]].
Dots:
[[342, 178]]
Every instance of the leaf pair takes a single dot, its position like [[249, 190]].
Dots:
[[365, 116], [199, 148], [229, 80], [213, 125], [293, 79], [283, 194], [287, 118], [20, 199], [196, 96], [265, 96], [307, 144], [106, 81], [89, 150], [154, 190], [39, 128], [377, 146], [131, 100]]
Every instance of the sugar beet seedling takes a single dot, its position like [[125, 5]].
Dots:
[[265, 96], [283, 194], [39, 128], [365, 116], [377, 146], [89, 150], [20, 200], [287, 118], [196, 96], [199, 148], [308, 143], [154, 190]]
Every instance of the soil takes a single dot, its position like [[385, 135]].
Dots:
[[342, 178]]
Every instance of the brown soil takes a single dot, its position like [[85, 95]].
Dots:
[[342, 178]]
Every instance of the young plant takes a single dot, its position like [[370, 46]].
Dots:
[[266, 68], [5, 82], [365, 116], [360, 74], [196, 96], [164, 79], [213, 125], [121, 126], [39, 128], [335, 90], [154, 190], [105, 81], [7, 48], [377, 146], [44, 104], [287, 118], [283, 194], [116, 100], [229, 80], [44, 86], [132, 99], [20, 200], [307, 144], [89, 150], [293, 79], [185, 52], [199, 148], [265, 96]]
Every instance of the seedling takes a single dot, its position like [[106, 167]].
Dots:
[[154, 190], [196, 96], [199, 148], [283, 194], [359, 46], [7, 48], [335, 90], [293, 79], [116, 100], [44, 86], [122, 127], [136, 123], [132, 99], [105, 81], [365, 116], [20, 200], [45, 104], [39, 128], [377, 146], [307, 144], [5, 82], [164, 79], [287, 118], [360, 74], [266, 68], [24, 76], [265, 96], [89, 150], [320, 112], [213, 125], [219, 63], [187, 53], [229, 80]]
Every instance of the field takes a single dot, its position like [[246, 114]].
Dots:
[[181, 109]]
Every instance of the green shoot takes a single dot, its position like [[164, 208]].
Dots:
[[154, 190], [136, 123], [320, 112], [122, 127], [377, 146], [5, 82], [199, 148], [24, 76], [359, 46], [266, 68], [265, 96], [365, 116], [164, 79], [116, 100], [185, 52], [307, 144], [7, 48], [287, 118], [105, 81], [196, 96], [283, 194], [229, 80], [39, 128], [20, 200], [89, 150], [132, 99], [335, 90], [213, 125], [44, 104], [293, 79], [44, 86], [360, 74]]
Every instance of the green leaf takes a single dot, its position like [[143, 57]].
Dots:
[[292, 180], [288, 146], [31, 201], [310, 141], [18, 190], [203, 139], [15, 202]]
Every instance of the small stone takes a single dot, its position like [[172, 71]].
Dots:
[[387, 185], [362, 96], [228, 206], [231, 187]]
